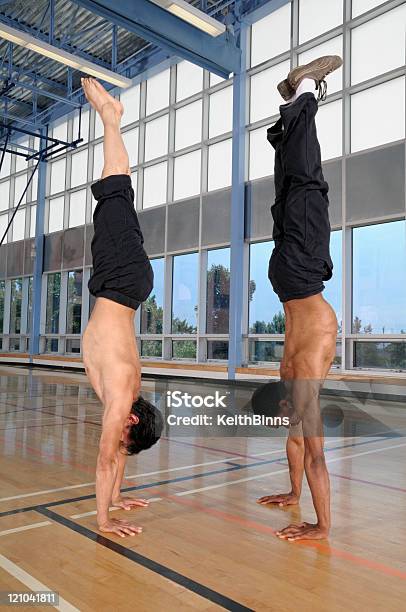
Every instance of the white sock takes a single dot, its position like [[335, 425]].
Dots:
[[305, 86]]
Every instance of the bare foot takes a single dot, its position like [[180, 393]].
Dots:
[[108, 107]]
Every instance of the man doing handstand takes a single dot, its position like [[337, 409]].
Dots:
[[299, 264], [122, 279]]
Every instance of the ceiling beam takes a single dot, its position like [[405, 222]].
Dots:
[[220, 54]]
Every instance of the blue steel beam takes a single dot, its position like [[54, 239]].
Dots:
[[39, 258], [218, 54], [237, 277]]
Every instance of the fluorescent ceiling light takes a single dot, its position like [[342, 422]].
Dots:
[[63, 57], [192, 15]]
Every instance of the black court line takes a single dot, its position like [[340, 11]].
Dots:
[[166, 572], [160, 483]]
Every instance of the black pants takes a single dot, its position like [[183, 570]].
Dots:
[[300, 261], [121, 268]]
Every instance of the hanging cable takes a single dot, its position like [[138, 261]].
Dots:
[[19, 202]]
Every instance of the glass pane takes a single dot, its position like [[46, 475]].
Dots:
[[20, 185], [4, 195], [56, 211], [265, 351], [220, 165], [98, 161], [21, 163], [189, 80], [217, 349], [53, 300], [29, 306], [318, 16], [262, 155], [218, 291], [333, 290], [329, 129], [152, 310], [130, 99], [155, 183], [184, 294], [15, 305], [18, 226], [34, 185], [3, 226], [184, 349], [156, 138], [265, 46], [331, 47], [362, 6], [77, 208], [380, 355], [33, 220], [221, 112], [5, 169], [60, 131], [266, 314], [188, 126], [84, 126], [367, 105], [134, 183], [74, 308], [187, 175], [130, 139], [158, 91], [2, 291], [215, 79], [57, 176], [79, 168], [379, 278], [369, 60], [265, 98], [15, 344], [98, 126], [151, 348], [51, 345], [73, 345]]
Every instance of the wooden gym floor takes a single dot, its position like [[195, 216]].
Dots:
[[206, 544]]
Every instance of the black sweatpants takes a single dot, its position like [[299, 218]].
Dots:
[[121, 269], [300, 261]]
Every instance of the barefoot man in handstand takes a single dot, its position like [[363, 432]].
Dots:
[[298, 266], [122, 279]]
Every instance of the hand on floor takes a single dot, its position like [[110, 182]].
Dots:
[[127, 503], [282, 499], [120, 527]]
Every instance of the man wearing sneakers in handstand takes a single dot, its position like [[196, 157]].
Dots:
[[299, 265]]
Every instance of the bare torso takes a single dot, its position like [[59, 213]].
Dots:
[[110, 351]]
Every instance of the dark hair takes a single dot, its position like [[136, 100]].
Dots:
[[148, 430], [266, 399]]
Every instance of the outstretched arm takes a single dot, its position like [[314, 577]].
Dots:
[[295, 453], [119, 500], [107, 468]]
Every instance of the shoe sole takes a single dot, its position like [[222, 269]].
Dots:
[[318, 69]]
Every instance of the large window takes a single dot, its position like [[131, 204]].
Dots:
[[29, 305], [331, 47], [221, 112], [318, 16], [266, 314], [188, 125], [184, 294], [379, 279], [152, 310], [265, 99], [187, 175], [56, 214], [380, 355], [158, 91], [53, 303], [74, 306], [155, 183], [218, 291], [189, 80], [15, 305], [156, 137]]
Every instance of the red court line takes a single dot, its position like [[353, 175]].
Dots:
[[211, 448], [323, 548]]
